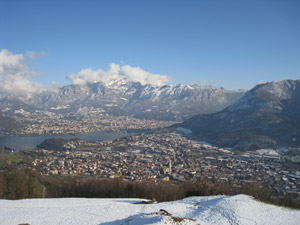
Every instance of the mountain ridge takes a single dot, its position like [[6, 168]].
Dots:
[[168, 102], [267, 116], [7, 123]]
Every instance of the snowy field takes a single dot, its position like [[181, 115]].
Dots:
[[239, 209]]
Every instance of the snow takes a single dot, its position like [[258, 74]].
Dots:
[[110, 105], [239, 209], [59, 107], [183, 130], [267, 152]]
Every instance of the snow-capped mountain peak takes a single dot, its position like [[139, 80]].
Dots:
[[168, 102]]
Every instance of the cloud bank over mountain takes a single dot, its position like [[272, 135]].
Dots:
[[15, 75], [116, 73]]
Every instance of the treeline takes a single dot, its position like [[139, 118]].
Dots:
[[18, 184]]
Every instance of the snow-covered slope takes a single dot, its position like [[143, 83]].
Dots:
[[168, 102], [240, 209], [267, 116]]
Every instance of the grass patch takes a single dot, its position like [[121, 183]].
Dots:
[[15, 158]]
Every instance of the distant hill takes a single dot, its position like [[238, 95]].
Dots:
[[12, 105], [267, 116], [8, 123], [56, 144]]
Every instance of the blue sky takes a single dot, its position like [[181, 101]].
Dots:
[[233, 44]]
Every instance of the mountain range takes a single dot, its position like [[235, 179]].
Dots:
[[267, 116], [121, 98]]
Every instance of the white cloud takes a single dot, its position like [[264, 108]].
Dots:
[[116, 72], [53, 85], [15, 76], [261, 82], [137, 74]]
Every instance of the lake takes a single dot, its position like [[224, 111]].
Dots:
[[29, 142]]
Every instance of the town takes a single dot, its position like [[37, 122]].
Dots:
[[164, 156], [42, 123]]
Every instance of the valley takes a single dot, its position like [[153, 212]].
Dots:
[[150, 112], [118, 107], [250, 146]]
